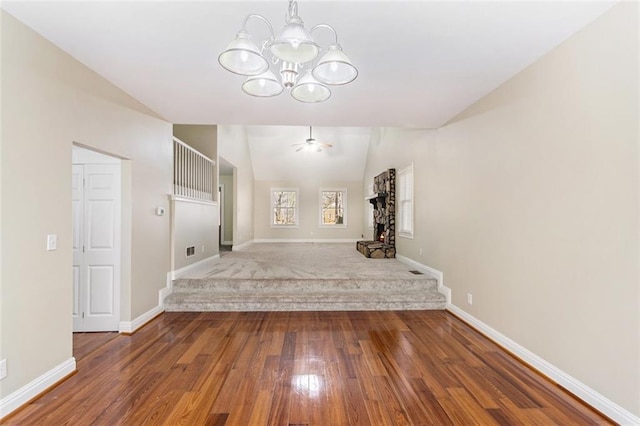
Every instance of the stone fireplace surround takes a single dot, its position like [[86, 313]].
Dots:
[[383, 199]]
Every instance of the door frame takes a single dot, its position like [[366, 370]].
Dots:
[[83, 155], [221, 215]]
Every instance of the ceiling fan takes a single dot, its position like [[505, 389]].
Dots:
[[311, 144]]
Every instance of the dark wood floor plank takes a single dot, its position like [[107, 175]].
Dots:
[[301, 368]]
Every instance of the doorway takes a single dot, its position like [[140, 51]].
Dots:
[[96, 201], [226, 202]]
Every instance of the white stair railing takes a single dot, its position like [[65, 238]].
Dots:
[[192, 172]]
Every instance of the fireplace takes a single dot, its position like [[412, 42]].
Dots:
[[379, 232], [383, 244]]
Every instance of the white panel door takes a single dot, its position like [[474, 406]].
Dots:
[[99, 270]]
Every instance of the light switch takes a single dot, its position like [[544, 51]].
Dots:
[[52, 242]]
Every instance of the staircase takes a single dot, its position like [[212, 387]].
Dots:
[[304, 294]]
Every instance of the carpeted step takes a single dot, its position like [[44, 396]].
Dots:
[[295, 285], [283, 299]]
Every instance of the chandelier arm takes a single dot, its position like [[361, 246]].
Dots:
[[263, 19], [327, 26]]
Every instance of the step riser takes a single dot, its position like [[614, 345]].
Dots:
[[262, 307], [301, 301], [275, 285]]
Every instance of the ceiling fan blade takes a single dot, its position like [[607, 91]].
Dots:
[[300, 149]]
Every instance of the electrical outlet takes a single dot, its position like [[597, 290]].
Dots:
[[470, 298], [3, 369], [203, 249], [420, 252]]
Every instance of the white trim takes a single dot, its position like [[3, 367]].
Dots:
[[345, 202], [302, 240], [438, 274], [131, 326], [165, 291], [192, 149], [579, 389], [16, 399], [405, 233], [296, 207], [221, 190], [238, 247], [204, 262], [191, 200]]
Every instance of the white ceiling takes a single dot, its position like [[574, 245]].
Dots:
[[274, 158], [420, 62]]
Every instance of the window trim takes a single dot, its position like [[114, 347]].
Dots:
[[272, 207], [405, 233], [345, 201]]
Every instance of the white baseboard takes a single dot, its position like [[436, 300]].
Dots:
[[306, 240], [238, 247], [34, 388], [579, 389], [129, 327], [199, 264], [438, 274], [167, 290]]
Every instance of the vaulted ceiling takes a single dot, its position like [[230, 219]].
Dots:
[[420, 62]]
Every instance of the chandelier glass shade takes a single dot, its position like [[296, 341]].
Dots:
[[310, 90], [294, 52], [243, 57], [262, 85]]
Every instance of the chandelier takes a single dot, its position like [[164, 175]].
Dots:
[[295, 51]]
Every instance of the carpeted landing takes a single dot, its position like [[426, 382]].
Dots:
[[304, 277]]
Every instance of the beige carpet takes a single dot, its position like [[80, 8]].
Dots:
[[304, 261], [303, 277]]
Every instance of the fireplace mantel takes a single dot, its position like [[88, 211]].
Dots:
[[373, 197]]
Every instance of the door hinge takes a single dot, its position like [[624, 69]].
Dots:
[[83, 315], [83, 249]]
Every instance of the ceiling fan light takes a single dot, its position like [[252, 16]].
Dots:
[[243, 57], [294, 43], [334, 67], [310, 90], [262, 85]]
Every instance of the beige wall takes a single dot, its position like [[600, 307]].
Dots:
[[227, 181], [309, 208], [529, 200], [50, 101], [202, 138], [194, 223], [233, 147]]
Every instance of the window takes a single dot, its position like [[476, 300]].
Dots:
[[284, 207], [405, 202], [333, 207]]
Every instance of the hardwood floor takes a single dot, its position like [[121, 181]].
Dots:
[[302, 368], [85, 343]]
